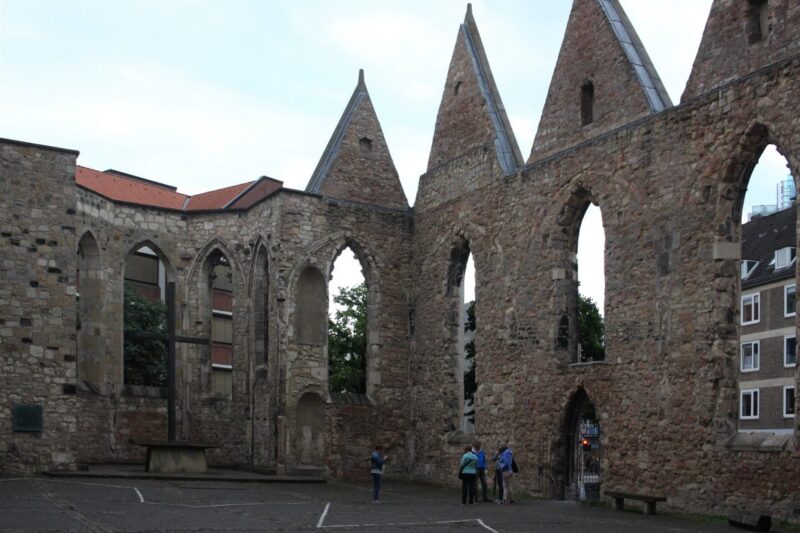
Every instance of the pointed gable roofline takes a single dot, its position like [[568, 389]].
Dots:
[[637, 55], [508, 152], [332, 149]]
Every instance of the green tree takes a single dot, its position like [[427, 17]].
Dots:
[[145, 360], [347, 341], [591, 330], [470, 383]]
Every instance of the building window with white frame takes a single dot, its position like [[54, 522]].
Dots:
[[748, 404], [750, 351], [748, 266], [785, 257], [789, 351], [788, 401], [751, 308], [789, 308]]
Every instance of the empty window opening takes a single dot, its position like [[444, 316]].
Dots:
[[469, 361], [587, 103], [767, 290], [348, 309], [758, 26], [590, 295], [462, 322], [365, 144], [456, 88], [221, 278], [144, 311]]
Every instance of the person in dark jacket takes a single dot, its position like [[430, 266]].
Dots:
[[498, 474], [377, 461]]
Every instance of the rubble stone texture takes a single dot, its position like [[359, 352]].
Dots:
[[669, 184]]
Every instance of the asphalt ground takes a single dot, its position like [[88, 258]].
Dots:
[[111, 505]]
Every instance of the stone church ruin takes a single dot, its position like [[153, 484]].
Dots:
[[251, 264]]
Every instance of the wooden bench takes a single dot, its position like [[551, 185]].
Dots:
[[620, 497], [165, 456]]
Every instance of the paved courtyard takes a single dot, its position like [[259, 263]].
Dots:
[[110, 505]]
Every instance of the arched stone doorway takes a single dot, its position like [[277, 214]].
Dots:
[[581, 450]]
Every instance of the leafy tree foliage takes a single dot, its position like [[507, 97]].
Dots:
[[145, 360], [470, 383], [591, 330], [347, 341]]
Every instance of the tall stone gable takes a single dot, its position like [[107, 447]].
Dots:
[[601, 54], [742, 36], [356, 164], [471, 112]]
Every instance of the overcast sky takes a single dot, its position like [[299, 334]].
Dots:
[[205, 94]]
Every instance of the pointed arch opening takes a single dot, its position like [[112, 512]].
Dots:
[[221, 306], [767, 271], [579, 327], [348, 323], [144, 311], [91, 315], [580, 464], [462, 325], [261, 307]]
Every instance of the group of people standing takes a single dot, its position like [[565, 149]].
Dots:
[[472, 469]]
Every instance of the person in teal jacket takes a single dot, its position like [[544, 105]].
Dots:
[[467, 470]]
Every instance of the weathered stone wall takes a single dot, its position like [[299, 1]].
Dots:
[[668, 188], [737, 42], [37, 304]]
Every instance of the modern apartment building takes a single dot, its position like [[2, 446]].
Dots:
[[768, 354]]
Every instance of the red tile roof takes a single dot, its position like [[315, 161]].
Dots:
[[216, 199], [120, 187], [129, 190]]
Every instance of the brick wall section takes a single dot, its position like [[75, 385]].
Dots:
[[37, 302], [667, 394], [590, 52], [727, 51]]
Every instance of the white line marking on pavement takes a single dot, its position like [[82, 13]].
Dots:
[[141, 498], [487, 527], [324, 513], [251, 504], [393, 524]]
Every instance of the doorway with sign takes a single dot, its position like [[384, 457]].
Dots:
[[583, 451]]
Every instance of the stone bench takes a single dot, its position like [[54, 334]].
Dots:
[[164, 456], [620, 497]]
